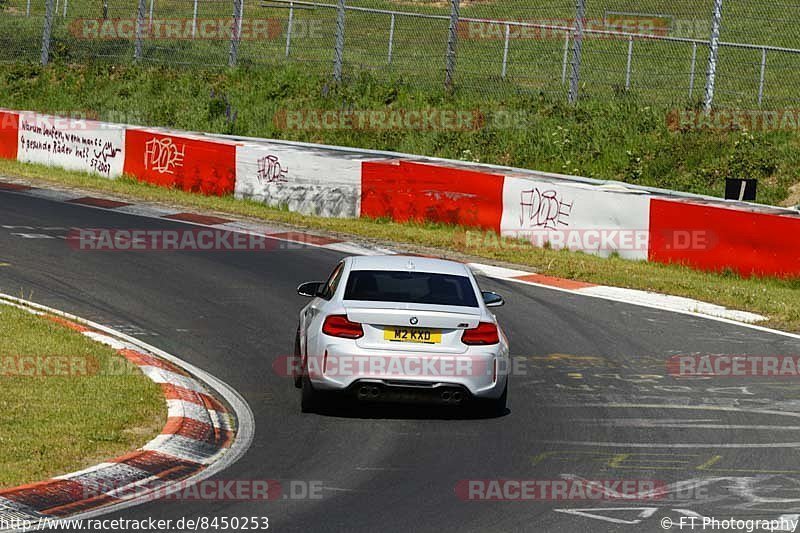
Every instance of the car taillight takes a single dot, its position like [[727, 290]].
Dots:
[[340, 326], [485, 333]]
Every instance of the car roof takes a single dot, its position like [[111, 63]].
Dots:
[[406, 262]]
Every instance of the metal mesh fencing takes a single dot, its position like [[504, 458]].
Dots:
[[659, 50], [759, 54], [526, 50]]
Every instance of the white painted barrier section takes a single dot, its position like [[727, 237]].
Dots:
[[575, 216], [72, 144], [308, 181]]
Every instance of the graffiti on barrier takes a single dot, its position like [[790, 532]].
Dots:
[[543, 209], [76, 145], [271, 171], [163, 155]]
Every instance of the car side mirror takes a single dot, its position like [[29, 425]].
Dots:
[[492, 299], [310, 289]]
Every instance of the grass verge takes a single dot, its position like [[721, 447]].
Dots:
[[777, 299], [68, 402]]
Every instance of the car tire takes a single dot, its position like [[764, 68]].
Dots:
[[497, 406], [310, 399], [298, 378]]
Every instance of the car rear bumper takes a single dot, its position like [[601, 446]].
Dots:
[[477, 374], [373, 390]]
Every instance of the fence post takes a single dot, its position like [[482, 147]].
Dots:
[[289, 25], [713, 55], [692, 70], [391, 39], [630, 61], [338, 51], [194, 20], [236, 30], [763, 74], [505, 51], [46, 32], [577, 51], [566, 58], [137, 48], [452, 41]]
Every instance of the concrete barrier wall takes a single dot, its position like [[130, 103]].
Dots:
[[84, 146], [548, 210], [711, 237], [9, 134], [411, 191], [576, 216], [187, 162], [311, 181]]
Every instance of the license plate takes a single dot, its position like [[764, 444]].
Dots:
[[415, 335]]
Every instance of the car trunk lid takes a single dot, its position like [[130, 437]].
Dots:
[[412, 327]]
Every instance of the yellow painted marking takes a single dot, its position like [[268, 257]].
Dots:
[[711, 462], [647, 467], [566, 357], [613, 463], [575, 375], [636, 461]]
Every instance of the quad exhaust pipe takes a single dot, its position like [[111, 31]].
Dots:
[[368, 392], [453, 397], [373, 392]]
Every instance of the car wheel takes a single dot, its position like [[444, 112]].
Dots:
[[310, 399], [496, 407], [298, 378]]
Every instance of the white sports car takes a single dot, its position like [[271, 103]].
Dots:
[[401, 328]]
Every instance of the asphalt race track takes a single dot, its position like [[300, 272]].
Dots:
[[591, 398]]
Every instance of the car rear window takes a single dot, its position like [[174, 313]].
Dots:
[[410, 287]]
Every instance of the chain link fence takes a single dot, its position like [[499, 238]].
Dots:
[[732, 53]]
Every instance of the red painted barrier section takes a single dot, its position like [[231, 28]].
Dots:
[[405, 191], [717, 238], [9, 134], [181, 162]]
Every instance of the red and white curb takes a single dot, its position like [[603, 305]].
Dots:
[[629, 296], [676, 304], [209, 426]]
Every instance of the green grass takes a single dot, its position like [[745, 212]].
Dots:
[[55, 424], [622, 139], [777, 299], [660, 70]]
